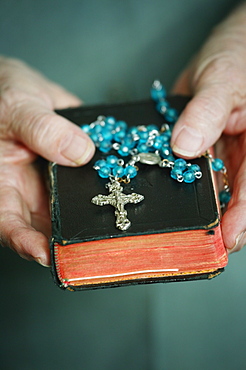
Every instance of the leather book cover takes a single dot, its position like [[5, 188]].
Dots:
[[175, 231]]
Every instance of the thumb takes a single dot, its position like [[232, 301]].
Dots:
[[50, 135], [216, 76], [203, 120], [233, 221]]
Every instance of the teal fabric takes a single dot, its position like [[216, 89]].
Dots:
[[108, 51]]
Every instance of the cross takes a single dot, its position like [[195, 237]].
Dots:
[[118, 199]]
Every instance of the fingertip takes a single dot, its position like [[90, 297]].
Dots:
[[188, 143], [30, 245], [41, 254], [56, 139], [200, 124], [63, 98], [240, 242], [67, 100], [234, 227], [43, 261], [182, 84], [78, 150]]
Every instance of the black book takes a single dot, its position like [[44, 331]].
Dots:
[[175, 231]]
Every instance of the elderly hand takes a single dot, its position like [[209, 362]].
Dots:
[[217, 80], [29, 127]]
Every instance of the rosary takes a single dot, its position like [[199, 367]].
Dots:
[[148, 145]]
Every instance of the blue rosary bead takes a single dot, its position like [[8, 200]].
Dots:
[[157, 94], [157, 91], [110, 121], [105, 146], [100, 163], [106, 134], [129, 142], [165, 137], [162, 106], [152, 128], [168, 133], [224, 196], [176, 173], [165, 152], [217, 164], [97, 129], [143, 136], [133, 130], [118, 171], [119, 135], [104, 171], [123, 150], [170, 157], [195, 168], [158, 143], [121, 125], [111, 160], [171, 115], [86, 128], [189, 176], [180, 164], [130, 171], [94, 137], [143, 148]]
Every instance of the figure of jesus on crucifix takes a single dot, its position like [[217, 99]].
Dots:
[[118, 199]]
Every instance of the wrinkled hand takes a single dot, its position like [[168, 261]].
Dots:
[[217, 80], [28, 128]]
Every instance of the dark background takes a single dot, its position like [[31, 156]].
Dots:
[[110, 51]]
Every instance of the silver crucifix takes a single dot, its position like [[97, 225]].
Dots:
[[118, 199]]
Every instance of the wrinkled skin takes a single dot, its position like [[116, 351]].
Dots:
[[216, 78], [29, 128]]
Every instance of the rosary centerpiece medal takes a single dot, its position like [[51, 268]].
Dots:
[[149, 145]]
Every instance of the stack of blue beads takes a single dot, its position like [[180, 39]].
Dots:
[[111, 167], [183, 171], [159, 94], [108, 133]]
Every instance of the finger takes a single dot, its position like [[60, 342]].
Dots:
[[203, 120], [234, 220], [19, 77], [16, 231], [237, 122], [41, 223], [26, 241], [217, 78], [13, 152], [50, 135], [182, 84], [63, 98]]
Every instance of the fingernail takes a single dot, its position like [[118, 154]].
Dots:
[[188, 142], [40, 260], [239, 243], [78, 150]]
